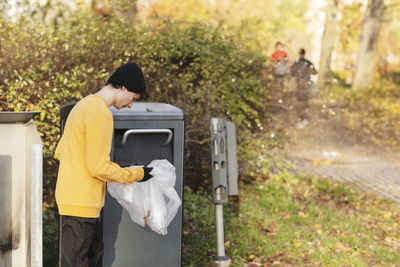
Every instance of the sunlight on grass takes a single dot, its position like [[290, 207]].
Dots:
[[293, 220]]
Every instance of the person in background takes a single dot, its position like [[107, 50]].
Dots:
[[85, 167], [301, 70], [279, 54], [280, 63], [280, 60]]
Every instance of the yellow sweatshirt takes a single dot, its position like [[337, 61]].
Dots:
[[85, 165]]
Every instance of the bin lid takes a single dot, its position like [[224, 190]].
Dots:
[[17, 117], [148, 111]]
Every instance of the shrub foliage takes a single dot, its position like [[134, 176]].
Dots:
[[193, 66], [190, 65]]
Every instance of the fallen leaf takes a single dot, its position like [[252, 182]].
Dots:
[[386, 216], [302, 214], [346, 249], [227, 244], [317, 226]]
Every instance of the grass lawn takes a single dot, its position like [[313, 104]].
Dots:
[[286, 220]]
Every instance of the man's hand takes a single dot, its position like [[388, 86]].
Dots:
[[147, 174]]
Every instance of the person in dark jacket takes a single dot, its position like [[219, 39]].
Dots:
[[302, 70]]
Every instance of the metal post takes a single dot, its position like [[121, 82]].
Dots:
[[219, 222], [220, 185], [221, 260]]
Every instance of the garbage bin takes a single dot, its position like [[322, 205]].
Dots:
[[20, 190], [143, 133]]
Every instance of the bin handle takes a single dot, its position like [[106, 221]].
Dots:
[[136, 131]]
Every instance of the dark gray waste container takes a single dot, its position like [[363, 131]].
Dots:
[[147, 128]]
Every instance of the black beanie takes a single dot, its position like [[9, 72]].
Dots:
[[130, 76]]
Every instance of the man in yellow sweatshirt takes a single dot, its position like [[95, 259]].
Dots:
[[85, 166]]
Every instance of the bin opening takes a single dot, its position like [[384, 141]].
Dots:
[[141, 149]]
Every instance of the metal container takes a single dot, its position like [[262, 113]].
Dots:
[[143, 133], [20, 190]]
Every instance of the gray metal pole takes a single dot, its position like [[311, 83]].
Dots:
[[220, 260], [219, 223]]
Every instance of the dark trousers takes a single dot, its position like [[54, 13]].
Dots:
[[81, 241]]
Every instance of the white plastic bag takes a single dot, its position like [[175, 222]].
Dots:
[[153, 203]]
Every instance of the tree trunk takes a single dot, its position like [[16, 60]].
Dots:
[[328, 42], [369, 37]]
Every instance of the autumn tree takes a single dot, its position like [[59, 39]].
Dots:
[[368, 42], [328, 42], [257, 23]]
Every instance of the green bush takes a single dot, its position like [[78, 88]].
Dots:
[[190, 65]]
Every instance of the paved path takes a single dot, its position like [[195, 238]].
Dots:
[[370, 169]]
